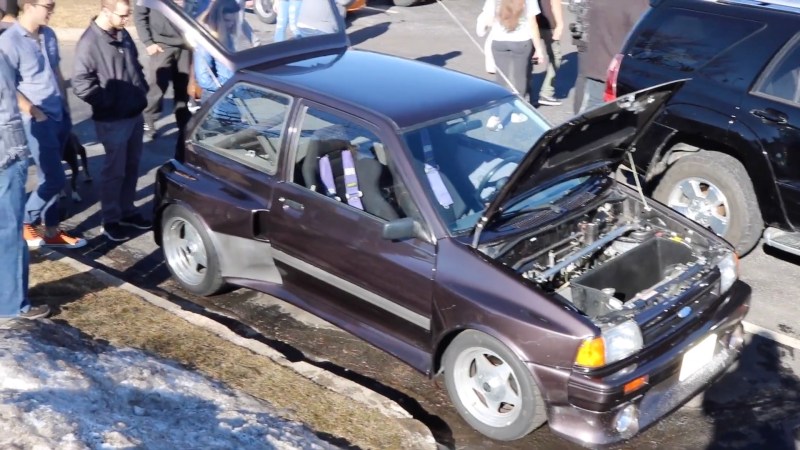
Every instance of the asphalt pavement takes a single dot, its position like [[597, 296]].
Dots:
[[430, 33]]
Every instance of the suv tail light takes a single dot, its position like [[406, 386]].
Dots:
[[611, 78]]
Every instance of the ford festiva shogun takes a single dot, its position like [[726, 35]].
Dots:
[[502, 258]]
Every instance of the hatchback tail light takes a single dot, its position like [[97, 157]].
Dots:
[[611, 78]]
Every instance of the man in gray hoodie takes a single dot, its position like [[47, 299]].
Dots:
[[610, 21]]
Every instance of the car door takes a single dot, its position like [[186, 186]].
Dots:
[[772, 111], [376, 288]]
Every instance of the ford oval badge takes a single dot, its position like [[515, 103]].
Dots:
[[684, 312]]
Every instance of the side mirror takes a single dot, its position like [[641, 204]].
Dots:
[[402, 229]]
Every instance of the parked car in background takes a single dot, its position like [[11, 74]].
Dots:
[[265, 9], [504, 259], [726, 151]]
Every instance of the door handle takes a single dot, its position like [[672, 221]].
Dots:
[[771, 115], [287, 204]]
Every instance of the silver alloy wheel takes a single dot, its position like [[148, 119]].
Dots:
[[487, 387], [703, 202], [184, 251]]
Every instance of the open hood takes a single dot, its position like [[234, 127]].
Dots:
[[321, 30], [596, 138]]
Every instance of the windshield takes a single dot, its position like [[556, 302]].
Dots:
[[464, 160]]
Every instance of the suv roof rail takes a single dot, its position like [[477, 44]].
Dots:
[[780, 5]]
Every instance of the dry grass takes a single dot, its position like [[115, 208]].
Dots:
[[126, 320], [75, 13]]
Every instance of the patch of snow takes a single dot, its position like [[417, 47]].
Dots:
[[58, 390]]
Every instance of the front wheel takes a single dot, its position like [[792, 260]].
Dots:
[[491, 389], [714, 190]]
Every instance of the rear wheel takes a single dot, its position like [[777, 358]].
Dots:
[[491, 389], [189, 252], [714, 190]]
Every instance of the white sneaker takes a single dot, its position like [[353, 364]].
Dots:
[[518, 118], [494, 123]]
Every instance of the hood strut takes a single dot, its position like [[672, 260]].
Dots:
[[636, 179]]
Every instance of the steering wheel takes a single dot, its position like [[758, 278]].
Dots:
[[497, 184]]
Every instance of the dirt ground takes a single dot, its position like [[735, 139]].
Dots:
[[76, 13], [114, 315]]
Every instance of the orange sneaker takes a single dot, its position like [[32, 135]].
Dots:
[[31, 236], [63, 240]]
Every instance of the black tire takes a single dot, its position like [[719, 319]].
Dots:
[[729, 176], [179, 225], [405, 2], [263, 9], [524, 417]]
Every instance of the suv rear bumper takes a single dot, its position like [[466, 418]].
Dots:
[[602, 399]]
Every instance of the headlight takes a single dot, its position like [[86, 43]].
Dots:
[[612, 345], [728, 272]]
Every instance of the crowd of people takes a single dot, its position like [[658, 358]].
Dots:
[[125, 103]]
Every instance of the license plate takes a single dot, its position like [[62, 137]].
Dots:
[[698, 357]]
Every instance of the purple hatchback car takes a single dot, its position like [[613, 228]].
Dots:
[[442, 219]]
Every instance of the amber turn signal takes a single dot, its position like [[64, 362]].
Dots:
[[592, 353], [635, 384]]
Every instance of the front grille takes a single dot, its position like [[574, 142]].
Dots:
[[685, 315]]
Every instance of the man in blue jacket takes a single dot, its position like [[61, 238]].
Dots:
[[109, 77]]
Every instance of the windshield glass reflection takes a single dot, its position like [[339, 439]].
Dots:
[[463, 161], [240, 25]]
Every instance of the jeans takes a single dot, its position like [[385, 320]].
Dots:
[[122, 141], [513, 59], [589, 93], [46, 141], [553, 49], [14, 263], [287, 17]]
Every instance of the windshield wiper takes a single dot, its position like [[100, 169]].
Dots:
[[550, 205]]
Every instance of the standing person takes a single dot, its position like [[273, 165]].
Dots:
[[516, 42], [109, 77], [610, 21], [9, 10], [551, 26], [14, 156], [169, 62], [32, 49], [287, 18], [221, 19]]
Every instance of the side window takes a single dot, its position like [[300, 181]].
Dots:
[[246, 125], [344, 160], [783, 79], [685, 40]]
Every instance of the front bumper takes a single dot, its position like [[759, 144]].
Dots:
[[593, 404]]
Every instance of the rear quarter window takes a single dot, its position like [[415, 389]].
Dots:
[[685, 40]]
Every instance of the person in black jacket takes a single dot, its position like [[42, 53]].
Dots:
[[109, 77], [170, 61]]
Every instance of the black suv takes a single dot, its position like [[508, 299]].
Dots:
[[726, 151]]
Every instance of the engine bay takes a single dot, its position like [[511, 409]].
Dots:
[[611, 258]]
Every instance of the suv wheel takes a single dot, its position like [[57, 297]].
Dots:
[[714, 190], [491, 389]]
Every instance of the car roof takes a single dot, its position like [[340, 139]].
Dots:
[[407, 92]]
